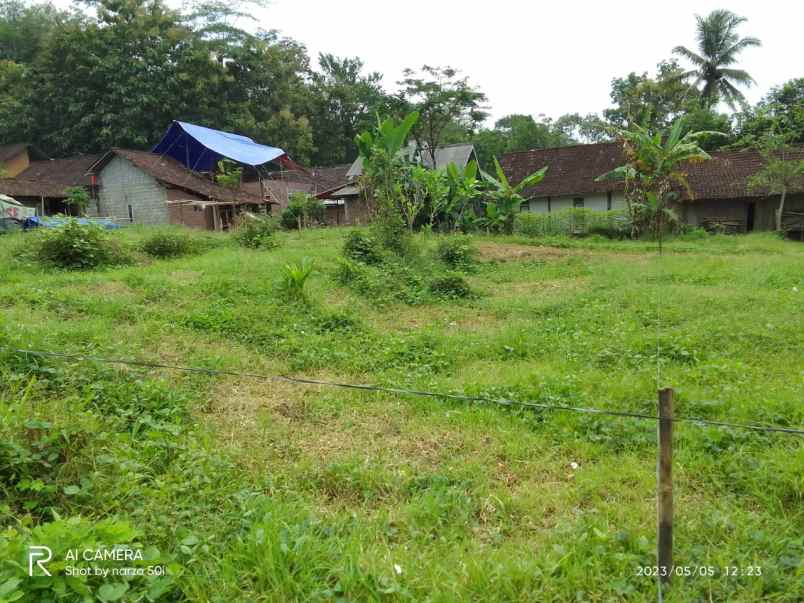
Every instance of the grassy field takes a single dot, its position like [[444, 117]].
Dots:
[[254, 490]]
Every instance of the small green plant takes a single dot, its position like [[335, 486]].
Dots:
[[457, 252], [65, 536], [451, 286], [294, 277], [257, 232], [363, 248], [78, 247], [169, 245]]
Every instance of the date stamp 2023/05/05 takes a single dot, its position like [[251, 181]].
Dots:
[[704, 571]]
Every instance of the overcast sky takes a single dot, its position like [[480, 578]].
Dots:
[[536, 57]]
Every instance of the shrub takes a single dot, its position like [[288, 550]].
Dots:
[[613, 224], [169, 245], [79, 247], [302, 211], [457, 252], [256, 232], [294, 276], [450, 286], [360, 247]]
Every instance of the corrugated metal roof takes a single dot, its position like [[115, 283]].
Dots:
[[459, 154]]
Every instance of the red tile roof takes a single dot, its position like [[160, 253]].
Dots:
[[170, 172], [22, 187], [68, 172], [9, 151], [572, 171]]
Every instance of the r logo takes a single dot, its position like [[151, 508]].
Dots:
[[42, 554]]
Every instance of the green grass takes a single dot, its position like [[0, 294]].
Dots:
[[263, 491]]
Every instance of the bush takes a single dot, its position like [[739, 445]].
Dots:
[[256, 232], [457, 252], [79, 247], [614, 224], [360, 247], [169, 245], [450, 286], [303, 211]]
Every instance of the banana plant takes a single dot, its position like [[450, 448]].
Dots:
[[654, 165], [463, 188], [506, 199]]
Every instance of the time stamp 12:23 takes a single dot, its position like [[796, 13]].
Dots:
[[706, 571]]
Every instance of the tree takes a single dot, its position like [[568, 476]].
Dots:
[[24, 28], [517, 133], [780, 173], [446, 104], [343, 103], [653, 171], [719, 46], [780, 113], [653, 101], [507, 199]]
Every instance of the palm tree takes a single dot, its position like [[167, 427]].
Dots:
[[718, 45]]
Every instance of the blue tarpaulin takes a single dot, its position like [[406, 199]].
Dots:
[[200, 148], [58, 222]]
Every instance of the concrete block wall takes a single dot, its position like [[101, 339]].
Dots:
[[128, 194]]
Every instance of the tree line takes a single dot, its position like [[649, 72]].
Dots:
[[81, 81]]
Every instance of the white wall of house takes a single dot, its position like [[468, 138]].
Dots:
[[128, 194], [597, 201]]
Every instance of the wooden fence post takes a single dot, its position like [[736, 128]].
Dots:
[[664, 474]]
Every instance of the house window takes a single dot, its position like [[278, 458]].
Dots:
[[608, 200], [577, 202], [130, 214]]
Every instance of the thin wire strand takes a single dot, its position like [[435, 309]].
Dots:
[[410, 392]]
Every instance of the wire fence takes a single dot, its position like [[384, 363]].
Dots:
[[794, 430]]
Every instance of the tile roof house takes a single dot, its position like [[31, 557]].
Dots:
[[720, 186], [140, 187], [42, 184]]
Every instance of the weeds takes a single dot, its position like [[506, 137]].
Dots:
[[294, 277]]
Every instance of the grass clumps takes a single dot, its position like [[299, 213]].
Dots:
[[256, 232], [77, 246], [450, 286], [171, 244], [578, 222]]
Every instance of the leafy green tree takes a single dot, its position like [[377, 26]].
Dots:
[[447, 105], [517, 133], [779, 174], [24, 27], [780, 113], [15, 99], [506, 199], [344, 102], [719, 47]]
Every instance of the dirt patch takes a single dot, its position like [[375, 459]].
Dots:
[[185, 277], [503, 252]]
